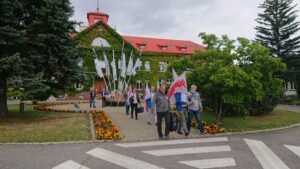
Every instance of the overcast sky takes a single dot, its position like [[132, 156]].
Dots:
[[176, 19]]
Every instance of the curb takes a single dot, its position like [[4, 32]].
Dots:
[[92, 128], [110, 141]]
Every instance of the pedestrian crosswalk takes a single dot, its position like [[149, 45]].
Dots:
[[70, 165], [173, 142], [121, 160], [267, 158], [189, 147], [294, 149], [210, 163], [191, 150]]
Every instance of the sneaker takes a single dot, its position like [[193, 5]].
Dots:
[[179, 132], [160, 138], [186, 134], [167, 137]]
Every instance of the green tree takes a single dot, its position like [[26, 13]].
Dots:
[[277, 29], [181, 65], [232, 76], [38, 50], [11, 38]]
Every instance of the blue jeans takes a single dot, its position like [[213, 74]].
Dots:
[[127, 108], [92, 103], [198, 119], [182, 123]]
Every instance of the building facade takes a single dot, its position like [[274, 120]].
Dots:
[[157, 52]]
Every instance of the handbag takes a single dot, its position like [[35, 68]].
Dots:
[[173, 122], [140, 109]]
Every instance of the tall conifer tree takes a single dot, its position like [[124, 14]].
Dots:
[[278, 29]]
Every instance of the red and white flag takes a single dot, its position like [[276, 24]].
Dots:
[[178, 86]]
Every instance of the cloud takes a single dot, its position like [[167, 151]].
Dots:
[[177, 19]]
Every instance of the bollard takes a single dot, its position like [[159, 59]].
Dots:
[[22, 106]]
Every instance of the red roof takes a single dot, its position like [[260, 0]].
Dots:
[[97, 13], [168, 46]]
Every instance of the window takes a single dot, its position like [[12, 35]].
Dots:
[[183, 49], [293, 86], [162, 66], [139, 84], [161, 81], [147, 65], [142, 46], [289, 86], [78, 86], [284, 86], [146, 83], [164, 48], [139, 65], [169, 82], [100, 41]]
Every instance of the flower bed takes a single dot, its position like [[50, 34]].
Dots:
[[209, 128], [46, 107], [105, 130]]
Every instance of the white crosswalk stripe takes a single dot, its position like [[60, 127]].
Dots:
[[192, 150], [210, 163], [173, 142], [266, 157], [206, 163], [121, 160], [70, 165], [294, 149]]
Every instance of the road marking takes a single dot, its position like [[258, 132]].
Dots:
[[210, 163], [121, 160], [266, 157], [294, 149], [172, 142], [70, 165], [191, 150]]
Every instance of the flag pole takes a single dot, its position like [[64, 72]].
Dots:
[[103, 75], [134, 67], [119, 80]]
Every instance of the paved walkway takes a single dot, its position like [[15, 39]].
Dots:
[[131, 129], [293, 108]]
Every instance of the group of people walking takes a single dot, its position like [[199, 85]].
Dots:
[[158, 104]]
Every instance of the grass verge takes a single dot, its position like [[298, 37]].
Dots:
[[276, 119], [43, 126]]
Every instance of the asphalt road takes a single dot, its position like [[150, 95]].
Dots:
[[271, 150]]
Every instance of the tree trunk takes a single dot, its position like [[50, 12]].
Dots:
[[216, 108], [220, 112], [298, 85], [3, 98]]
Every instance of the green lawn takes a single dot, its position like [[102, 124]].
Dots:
[[278, 118], [42, 126], [297, 101]]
